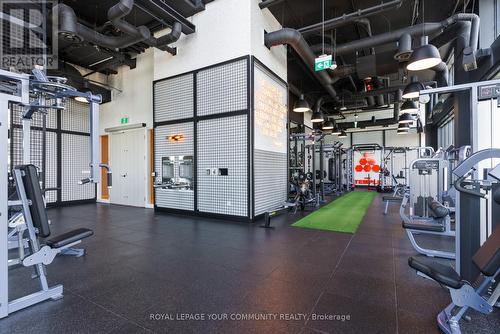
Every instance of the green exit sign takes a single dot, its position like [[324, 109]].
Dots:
[[322, 63], [124, 120]]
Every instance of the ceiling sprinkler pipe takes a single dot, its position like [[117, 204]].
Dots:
[[347, 18]]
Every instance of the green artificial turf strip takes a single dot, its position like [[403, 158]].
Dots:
[[342, 215]]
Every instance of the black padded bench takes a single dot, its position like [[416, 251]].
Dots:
[[486, 259], [424, 226], [438, 272], [39, 214], [463, 294], [69, 237]]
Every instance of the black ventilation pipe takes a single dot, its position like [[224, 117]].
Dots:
[[295, 39], [118, 12], [430, 28], [70, 27], [171, 37], [385, 64], [442, 74], [123, 8]]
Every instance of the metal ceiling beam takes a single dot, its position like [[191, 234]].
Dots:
[[346, 18], [164, 12]]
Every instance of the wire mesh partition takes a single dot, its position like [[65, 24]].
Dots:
[[222, 145], [173, 98], [66, 144], [222, 88], [208, 108], [75, 167]]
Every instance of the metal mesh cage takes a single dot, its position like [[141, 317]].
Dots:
[[222, 88], [173, 98], [51, 166], [75, 117], [75, 151], [270, 177], [222, 144], [37, 119]]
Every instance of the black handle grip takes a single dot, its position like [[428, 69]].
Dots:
[[84, 181], [110, 179]]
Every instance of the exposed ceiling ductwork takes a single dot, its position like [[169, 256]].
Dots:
[[110, 33], [379, 64], [72, 30], [295, 39]]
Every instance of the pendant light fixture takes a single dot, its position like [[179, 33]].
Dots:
[[405, 118], [301, 105], [409, 107], [327, 125], [412, 90], [343, 134], [404, 126], [81, 99], [402, 132], [317, 116], [336, 130], [425, 56], [343, 108]]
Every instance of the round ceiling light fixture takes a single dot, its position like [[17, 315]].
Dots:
[[409, 107], [301, 105], [424, 57], [412, 90]]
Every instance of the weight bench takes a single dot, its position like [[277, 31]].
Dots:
[[463, 294], [37, 227]]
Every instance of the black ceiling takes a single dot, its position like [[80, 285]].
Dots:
[[299, 13], [154, 14]]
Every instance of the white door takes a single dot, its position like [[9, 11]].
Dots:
[[128, 163]]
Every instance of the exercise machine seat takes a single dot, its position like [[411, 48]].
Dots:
[[69, 237], [487, 258], [34, 193], [438, 272], [424, 226], [439, 210], [392, 198]]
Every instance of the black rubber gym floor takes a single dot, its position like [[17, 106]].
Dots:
[[142, 265]]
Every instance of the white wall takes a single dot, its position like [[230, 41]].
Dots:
[[136, 97], [225, 30], [260, 20]]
